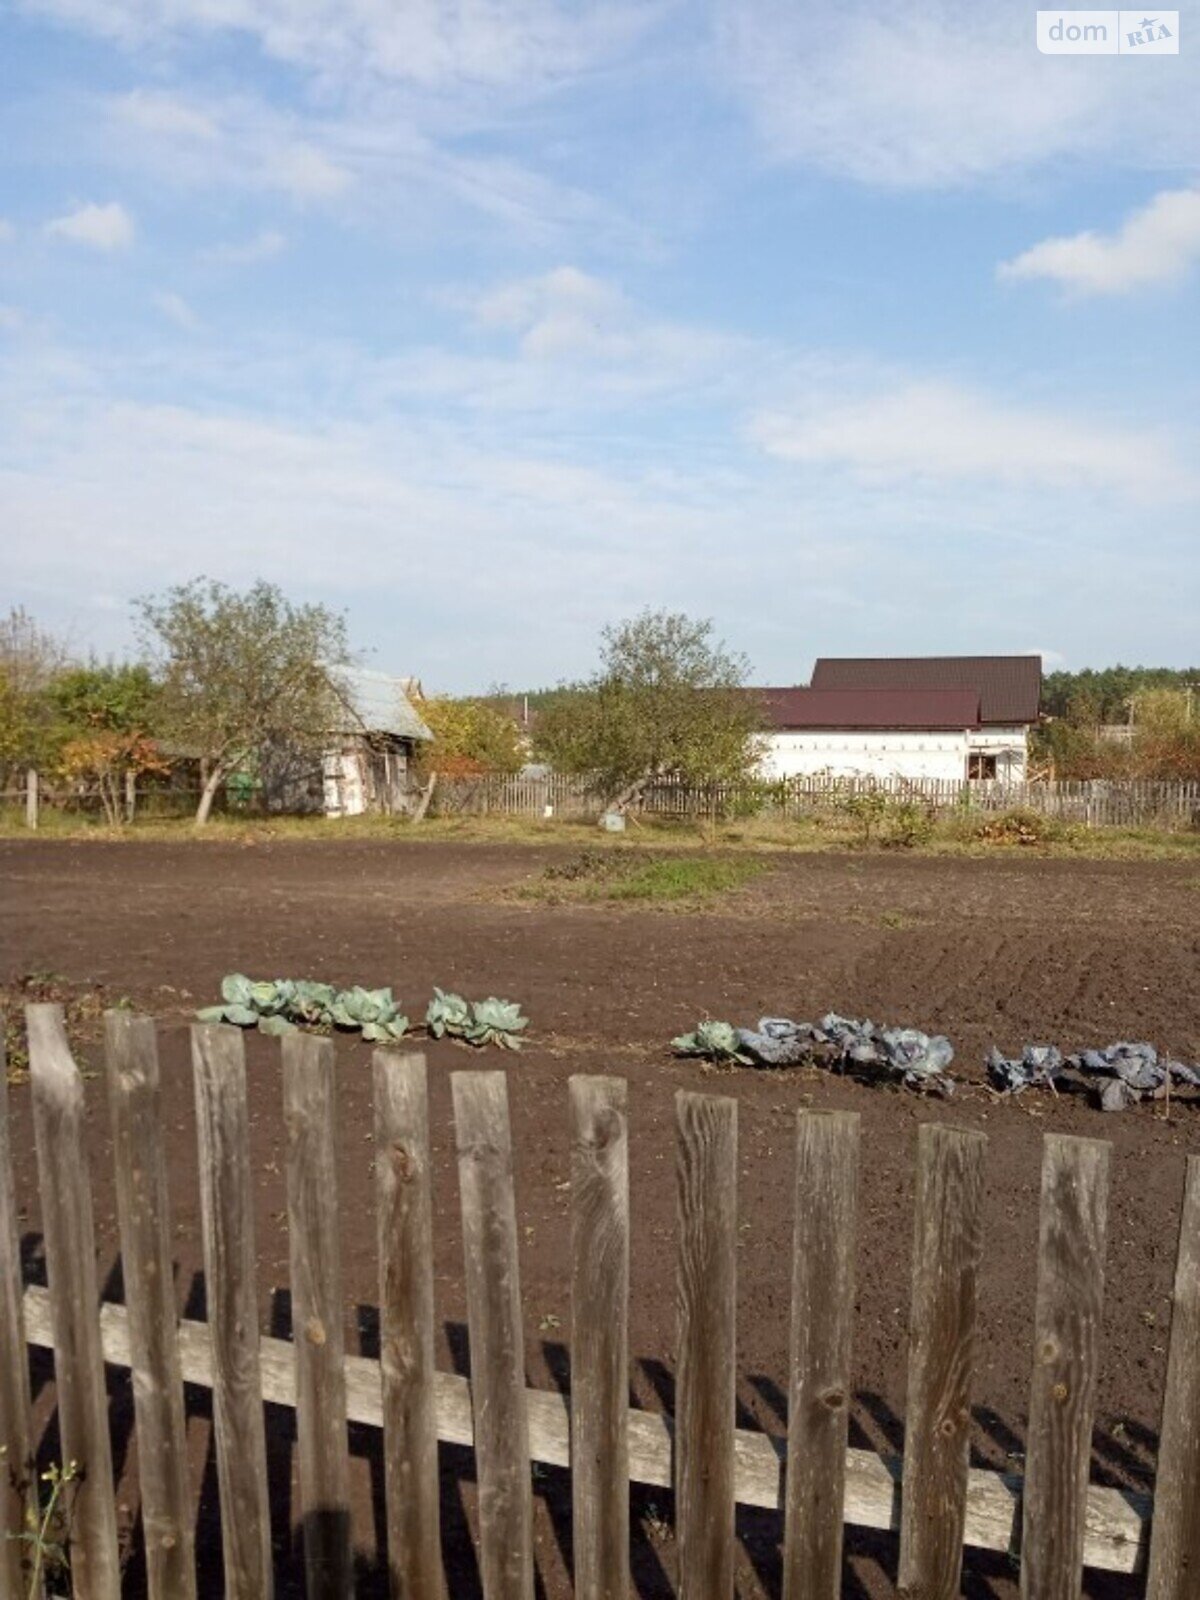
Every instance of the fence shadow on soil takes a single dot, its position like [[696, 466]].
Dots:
[[1124, 1461]]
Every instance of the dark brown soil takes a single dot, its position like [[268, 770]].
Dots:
[[1010, 949]]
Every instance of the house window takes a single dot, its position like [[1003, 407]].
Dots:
[[980, 765]]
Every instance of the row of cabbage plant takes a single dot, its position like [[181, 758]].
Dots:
[[1117, 1077], [284, 1005], [842, 1044]]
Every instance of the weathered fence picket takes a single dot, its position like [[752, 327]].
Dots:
[[227, 1225], [825, 1229], [1175, 1537], [66, 1195], [309, 1101], [405, 1233], [705, 1371], [17, 1477], [599, 1338], [143, 1212], [947, 1246], [1057, 1519], [1066, 1345], [489, 1225]]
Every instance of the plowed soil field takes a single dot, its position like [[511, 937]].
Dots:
[[1013, 949]]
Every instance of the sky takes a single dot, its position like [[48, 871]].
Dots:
[[864, 331]]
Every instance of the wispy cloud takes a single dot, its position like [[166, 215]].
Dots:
[[231, 140], [363, 467], [177, 310], [370, 497], [933, 94], [102, 227], [942, 432], [568, 314], [157, 111], [308, 173], [374, 164], [262, 246], [432, 45], [1158, 244]]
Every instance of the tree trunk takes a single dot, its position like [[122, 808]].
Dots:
[[209, 793], [110, 799], [630, 793], [423, 803]]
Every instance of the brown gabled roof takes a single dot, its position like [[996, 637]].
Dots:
[[1009, 687], [865, 710]]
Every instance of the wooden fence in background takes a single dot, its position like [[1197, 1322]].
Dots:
[[937, 1502], [1094, 804]]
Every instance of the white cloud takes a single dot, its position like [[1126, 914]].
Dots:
[[155, 111], [1051, 659], [938, 431], [7, 231], [316, 459], [244, 142], [102, 227], [565, 312], [587, 327], [307, 173], [176, 309], [932, 93], [379, 163], [265, 244], [433, 44], [331, 501], [1157, 244]]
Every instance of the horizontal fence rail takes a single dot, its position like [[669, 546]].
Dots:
[[934, 1499]]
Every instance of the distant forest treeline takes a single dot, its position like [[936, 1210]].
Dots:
[[1103, 694]]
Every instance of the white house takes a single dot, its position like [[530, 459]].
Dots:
[[949, 717]]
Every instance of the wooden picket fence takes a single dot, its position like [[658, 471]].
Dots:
[[1108, 803], [1054, 1517]]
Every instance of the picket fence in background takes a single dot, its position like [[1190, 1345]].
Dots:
[[1054, 1516], [1094, 803]]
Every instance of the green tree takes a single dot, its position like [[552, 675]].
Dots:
[[470, 737], [1109, 690], [669, 699], [1161, 724], [104, 722], [30, 659], [1166, 734], [241, 674], [119, 698]]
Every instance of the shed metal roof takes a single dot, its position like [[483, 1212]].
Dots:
[[1009, 687], [917, 710], [376, 702]]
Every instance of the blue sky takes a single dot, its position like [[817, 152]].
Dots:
[[866, 331]]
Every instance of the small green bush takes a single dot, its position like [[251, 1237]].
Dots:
[[908, 825]]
